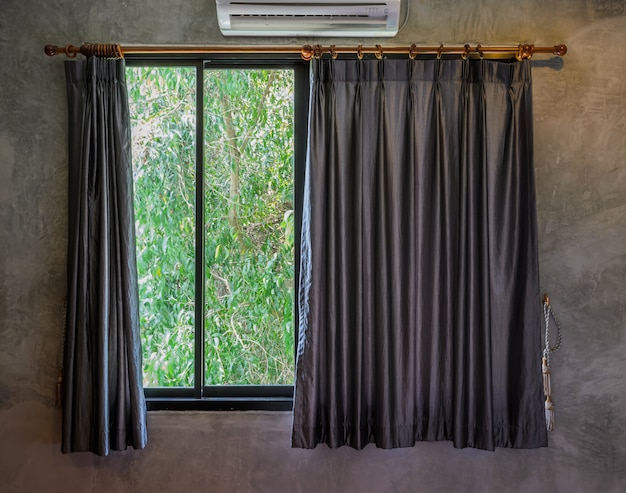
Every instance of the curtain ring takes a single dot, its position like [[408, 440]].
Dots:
[[359, 52], [379, 52], [439, 50], [529, 49], [466, 53], [524, 52], [412, 52], [333, 52], [480, 51], [317, 51], [68, 53]]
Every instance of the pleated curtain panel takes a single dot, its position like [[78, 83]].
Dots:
[[419, 293], [419, 306], [103, 403]]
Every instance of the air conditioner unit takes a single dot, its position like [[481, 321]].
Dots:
[[354, 18]]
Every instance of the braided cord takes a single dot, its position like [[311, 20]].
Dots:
[[547, 314]]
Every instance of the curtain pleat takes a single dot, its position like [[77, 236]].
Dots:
[[103, 402], [419, 292]]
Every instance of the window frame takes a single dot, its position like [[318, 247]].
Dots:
[[232, 397]]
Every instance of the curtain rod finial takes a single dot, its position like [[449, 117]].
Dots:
[[51, 50], [560, 50], [306, 53]]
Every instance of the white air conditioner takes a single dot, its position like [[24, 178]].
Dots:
[[354, 18]]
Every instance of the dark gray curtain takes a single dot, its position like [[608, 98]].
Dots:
[[419, 295], [103, 402]]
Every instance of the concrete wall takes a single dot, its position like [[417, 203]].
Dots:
[[580, 149]]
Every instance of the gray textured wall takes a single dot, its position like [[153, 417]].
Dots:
[[580, 150]]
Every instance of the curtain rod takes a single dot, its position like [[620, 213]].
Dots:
[[307, 52]]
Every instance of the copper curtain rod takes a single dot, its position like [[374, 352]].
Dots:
[[520, 52]]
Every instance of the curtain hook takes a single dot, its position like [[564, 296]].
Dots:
[[359, 52], [379, 52], [439, 50], [333, 52], [466, 53], [412, 52]]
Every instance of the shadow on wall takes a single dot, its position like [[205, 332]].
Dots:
[[555, 63]]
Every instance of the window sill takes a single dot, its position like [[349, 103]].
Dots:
[[219, 404], [222, 398]]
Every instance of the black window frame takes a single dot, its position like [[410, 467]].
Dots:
[[233, 397]]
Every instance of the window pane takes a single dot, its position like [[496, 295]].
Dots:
[[249, 255], [162, 107]]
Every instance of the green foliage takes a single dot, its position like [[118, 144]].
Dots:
[[248, 229]]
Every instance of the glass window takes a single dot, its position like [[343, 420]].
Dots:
[[217, 162]]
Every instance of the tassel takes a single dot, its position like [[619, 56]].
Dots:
[[549, 414], [545, 369], [545, 361], [547, 390]]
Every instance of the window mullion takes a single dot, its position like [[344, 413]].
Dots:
[[199, 220]]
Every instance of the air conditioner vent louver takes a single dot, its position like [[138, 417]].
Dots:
[[356, 18], [346, 16]]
